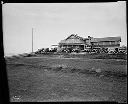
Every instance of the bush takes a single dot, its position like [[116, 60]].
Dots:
[[74, 70], [111, 56]]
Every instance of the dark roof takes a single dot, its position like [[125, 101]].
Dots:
[[106, 39]]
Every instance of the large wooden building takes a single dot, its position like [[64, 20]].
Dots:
[[76, 41]]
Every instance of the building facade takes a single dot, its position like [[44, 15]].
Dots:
[[76, 42]]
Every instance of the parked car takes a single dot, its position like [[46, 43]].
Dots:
[[46, 50], [53, 50], [111, 52], [39, 51], [76, 50]]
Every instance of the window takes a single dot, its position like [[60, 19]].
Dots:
[[117, 42], [105, 43], [95, 43], [113, 43], [100, 43]]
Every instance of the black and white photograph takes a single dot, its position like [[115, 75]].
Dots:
[[65, 52]]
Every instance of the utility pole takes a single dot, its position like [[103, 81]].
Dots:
[[32, 40]]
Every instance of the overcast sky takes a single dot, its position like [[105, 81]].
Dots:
[[53, 22]]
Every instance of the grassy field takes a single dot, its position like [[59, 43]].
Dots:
[[66, 79], [87, 55]]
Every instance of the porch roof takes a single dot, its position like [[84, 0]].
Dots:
[[106, 39], [72, 43]]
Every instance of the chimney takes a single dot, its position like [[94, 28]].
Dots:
[[72, 34], [89, 37]]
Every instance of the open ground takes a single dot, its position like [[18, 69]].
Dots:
[[38, 79]]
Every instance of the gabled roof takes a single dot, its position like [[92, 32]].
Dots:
[[75, 36], [75, 39], [106, 39]]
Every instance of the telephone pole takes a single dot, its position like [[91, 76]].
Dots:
[[32, 40]]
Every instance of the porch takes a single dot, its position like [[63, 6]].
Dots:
[[73, 46]]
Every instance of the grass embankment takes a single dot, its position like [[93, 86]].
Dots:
[[99, 56], [87, 55]]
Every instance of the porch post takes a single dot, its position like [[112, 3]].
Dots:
[[84, 46]]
